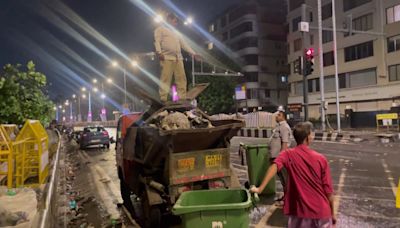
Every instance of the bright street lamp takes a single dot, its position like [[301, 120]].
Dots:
[[103, 96], [54, 108], [114, 63], [83, 96], [159, 18], [83, 89], [94, 81], [109, 80], [188, 21], [60, 107], [95, 89], [73, 96], [134, 63]]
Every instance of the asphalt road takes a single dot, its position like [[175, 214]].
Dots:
[[365, 177]]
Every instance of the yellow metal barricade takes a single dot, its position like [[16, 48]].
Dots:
[[6, 158], [390, 121], [32, 158]]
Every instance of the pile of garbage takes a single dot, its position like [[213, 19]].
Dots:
[[175, 120], [8, 218]]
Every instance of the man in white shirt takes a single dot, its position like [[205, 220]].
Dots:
[[168, 44], [280, 141]]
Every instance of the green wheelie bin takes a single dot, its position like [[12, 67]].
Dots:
[[217, 208], [257, 157]]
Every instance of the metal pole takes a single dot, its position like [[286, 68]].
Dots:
[[57, 114], [102, 91], [305, 94], [125, 86], [79, 109], [321, 66], [89, 117], [70, 112], [193, 80], [305, 84], [336, 66]]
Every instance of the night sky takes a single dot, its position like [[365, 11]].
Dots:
[[53, 34]]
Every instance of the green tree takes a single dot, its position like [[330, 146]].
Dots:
[[219, 96], [22, 95]]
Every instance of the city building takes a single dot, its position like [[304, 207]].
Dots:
[[256, 32], [368, 62]]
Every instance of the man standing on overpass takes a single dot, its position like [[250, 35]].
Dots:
[[168, 44]]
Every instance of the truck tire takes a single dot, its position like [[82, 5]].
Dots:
[[152, 214], [154, 217], [126, 196]]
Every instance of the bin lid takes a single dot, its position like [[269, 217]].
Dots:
[[211, 200], [256, 146]]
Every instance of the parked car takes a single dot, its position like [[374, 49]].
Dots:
[[94, 135]]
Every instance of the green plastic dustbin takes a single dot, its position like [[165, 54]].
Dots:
[[257, 157], [218, 208]]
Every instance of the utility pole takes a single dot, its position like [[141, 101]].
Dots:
[[89, 116], [79, 109], [305, 84], [321, 66], [336, 66]]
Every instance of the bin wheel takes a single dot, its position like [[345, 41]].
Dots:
[[125, 194]]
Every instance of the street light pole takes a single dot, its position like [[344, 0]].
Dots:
[[102, 93], [89, 117], [79, 109], [321, 66], [70, 112], [336, 65]]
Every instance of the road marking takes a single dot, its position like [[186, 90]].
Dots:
[[372, 216], [389, 176], [340, 187], [342, 143], [363, 186], [356, 197]]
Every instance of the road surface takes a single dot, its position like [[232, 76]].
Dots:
[[365, 177]]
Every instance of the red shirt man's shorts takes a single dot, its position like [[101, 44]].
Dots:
[[308, 185]]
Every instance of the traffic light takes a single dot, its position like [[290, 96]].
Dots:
[[309, 61], [298, 65]]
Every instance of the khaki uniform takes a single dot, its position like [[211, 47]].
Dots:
[[170, 44], [281, 134]]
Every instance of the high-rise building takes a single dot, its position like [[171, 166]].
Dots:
[[368, 61], [256, 32]]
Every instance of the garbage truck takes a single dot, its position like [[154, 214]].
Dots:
[[159, 157]]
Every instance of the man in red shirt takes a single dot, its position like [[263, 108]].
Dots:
[[309, 193]]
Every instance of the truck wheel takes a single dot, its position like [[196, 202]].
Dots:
[[126, 196], [152, 214], [154, 219]]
